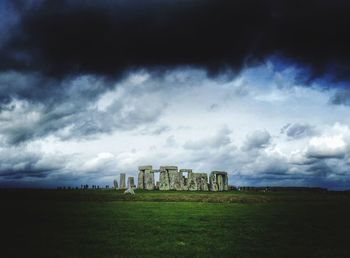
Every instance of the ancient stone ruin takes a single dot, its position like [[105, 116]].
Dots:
[[131, 183], [170, 178], [115, 183], [218, 181], [146, 178], [122, 181]]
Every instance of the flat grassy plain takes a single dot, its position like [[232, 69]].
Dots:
[[106, 223]]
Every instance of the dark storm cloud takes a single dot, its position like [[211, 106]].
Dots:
[[276, 171], [18, 163], [38, 88], [55, 104], [341, 97], [67, 109], [60, 37]]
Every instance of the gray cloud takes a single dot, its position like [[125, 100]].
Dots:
[[155, 130], [266, 170], [220, 139], [68, 109], [22, 166], [214, 107], [297, 131], [326, 153], [19, 163], [260, 163], [341, 97], [256, 140]]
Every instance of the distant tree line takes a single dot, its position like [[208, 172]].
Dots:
[[281, 189], [82, 187]]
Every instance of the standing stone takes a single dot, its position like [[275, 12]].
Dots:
[[141, 179], [198, 182], [122, 181], [226, 187], [149, 180], [175, 178], [212, 182], [192, 182], [131, 183], [115, 183], [218, 181], [203, 182], [186, 181], [146, 178], [163, 180], [170, 178], [164, 183]]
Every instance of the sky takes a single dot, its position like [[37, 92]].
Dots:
[[257, 88]]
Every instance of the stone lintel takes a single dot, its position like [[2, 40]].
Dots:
[[155, 170], [147, 167], [168, 167], [223, 173], [199, 174], [185, 170]]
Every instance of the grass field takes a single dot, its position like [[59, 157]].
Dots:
[[106, 223]]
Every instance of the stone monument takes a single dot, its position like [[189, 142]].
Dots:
[[115, 184], [170, 178], [146, 178], [218, 181], [122, 181], [131, 183]]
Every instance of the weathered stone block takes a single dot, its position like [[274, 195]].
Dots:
[[129, 191], [145, 178], [175, 180], [147, 167], [115, 184], [218, 181], [131, 183], [170, 178], [149, 180], [203, 182], [164, 183], [141, 180], [122, 181], [168, 168], [185, 170], [198, 182]]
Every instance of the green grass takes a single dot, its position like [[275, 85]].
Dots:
[[102, 223]]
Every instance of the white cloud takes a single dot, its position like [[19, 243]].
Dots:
[[327, 147]]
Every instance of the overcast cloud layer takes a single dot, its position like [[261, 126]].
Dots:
[[257, 88]]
